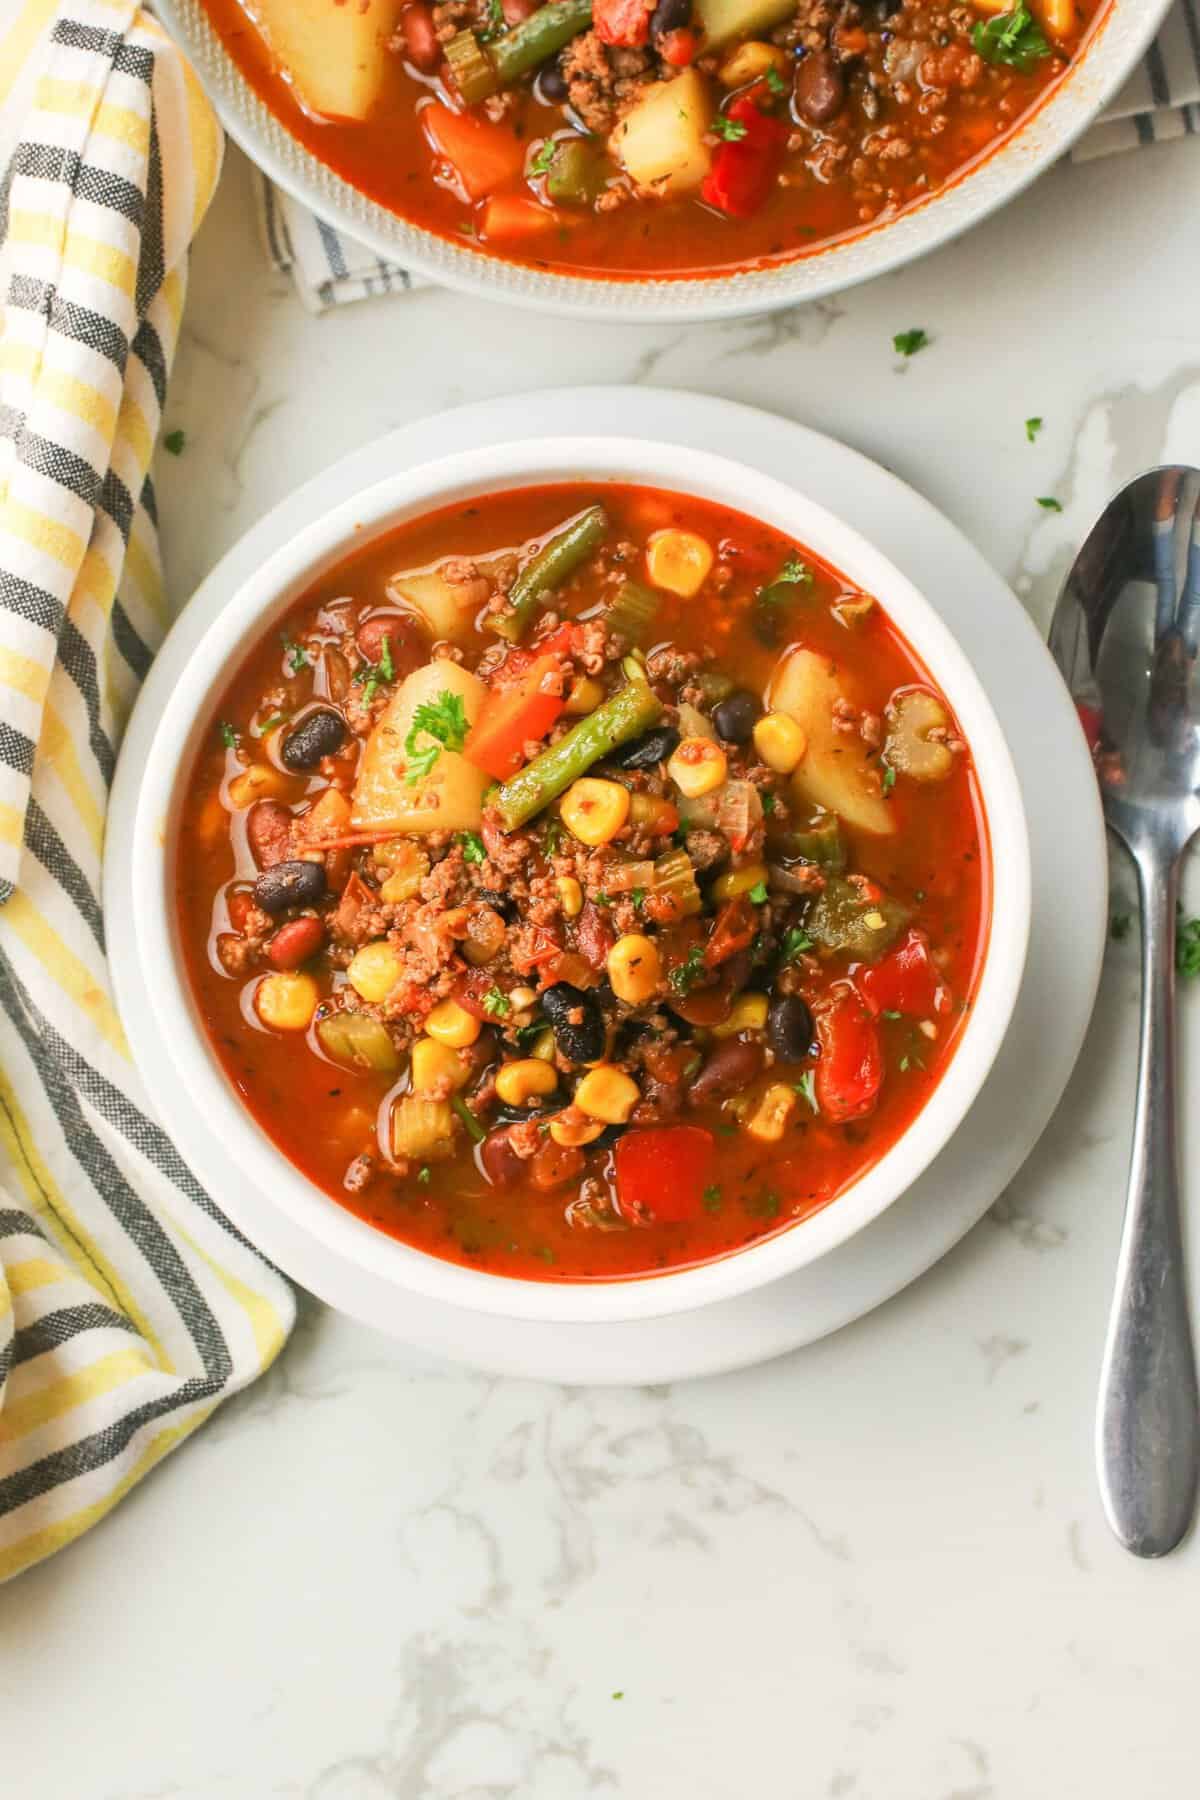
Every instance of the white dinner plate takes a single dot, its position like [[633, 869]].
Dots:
[[1066, 945]]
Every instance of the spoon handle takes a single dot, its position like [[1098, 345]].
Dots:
[[1148, 1420]]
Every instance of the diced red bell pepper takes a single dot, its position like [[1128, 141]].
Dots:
[[679, 48], [906, 980], [512, 717], [733, 930], [663, 1173], [484, 156], [621, 22], [850, 1066], [517, 216], [743, 170]]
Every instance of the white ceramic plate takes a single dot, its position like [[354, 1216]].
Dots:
[[1067, 843], [1111, 55]]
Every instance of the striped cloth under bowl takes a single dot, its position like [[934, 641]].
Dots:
[[129, 1307], [1161, 101]]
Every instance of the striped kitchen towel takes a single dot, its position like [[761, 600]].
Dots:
[[1161, 101], [129, 1307]]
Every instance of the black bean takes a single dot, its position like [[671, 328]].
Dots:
[[319, 733], [542, 1107], [649, 750], [580, 1040], [735, 718], [789, 1027], [820, 87], [287, 884], [553, 83], [498, 902], [670, 15], [608, 1137]]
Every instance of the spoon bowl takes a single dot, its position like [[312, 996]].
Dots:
[[1125, 634]]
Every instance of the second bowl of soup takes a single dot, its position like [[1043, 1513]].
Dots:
[[593, 884]]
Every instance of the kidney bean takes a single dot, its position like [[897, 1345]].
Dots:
[[820, 87], [239, 905], [399, 631], [320, 733], [420, 38], [268, 832], [287, 884], [594, 935], [554, 1165], [731, 1067], [789, 1027], [295, 942], [499, 1160]]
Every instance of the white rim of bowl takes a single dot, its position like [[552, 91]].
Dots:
[[1108, 56], [249, 613]]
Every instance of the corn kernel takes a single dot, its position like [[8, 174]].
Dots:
[[594, 811], [572, 1128], [678, 561], [874, 921], [697, 766], [527, 1079], [738, 881], [779, 741], [436, 1067], [584, 696], [522, 998], [543, 1046], [750, 62], [259, 782], [286, 1002], [770, 1118], [374, 971], [607, 1094], [570, 895], [654, 811], [634, 968], [408, 867], [748, 1013], [452, 1024]]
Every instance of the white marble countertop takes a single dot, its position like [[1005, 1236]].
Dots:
[[875, 1570]]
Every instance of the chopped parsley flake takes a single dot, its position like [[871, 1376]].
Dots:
[[425, 1175], [618, 1693], [297, 655], [712, 1199], [796, 572], [1032, 427], [889, 778], [1048, 503], [228, 734], [907, 343], [174, 442], [472, 847], [1187, 948], [1119, 927], [891, 1014], [768, 804], [775, 81], [758, 893], [795, 943], [445, 721], [806, 1087], [1012, 38], [540, 164], [764, 1205], [732, 130], [496, 1004], [638, 896], [685, 975]]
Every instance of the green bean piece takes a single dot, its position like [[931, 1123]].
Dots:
[[577, 172], [558, 558], [620, 718], [479, 69]]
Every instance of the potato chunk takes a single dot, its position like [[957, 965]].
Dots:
[[450, 796], [724, 20], [334, 51], [835, 771], [660, 141]]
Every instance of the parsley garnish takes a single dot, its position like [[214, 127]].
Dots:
[[552, 838], [795, 942], [540, 163], [758, 893], [1013, 38], [279, 718], [373, 675], [496, 22], [619, 1694], [907, 343], [775, 81], [889, 1013], [1032, 427], [297, 655], [768, 804], [228, 734], [712, 1199], [445, 721], [175, 441], [889, 778], [732, 130], [685, 975], [602, 899], [425, 1175], [472, 847], [806, 1087], [1119, 927], [496, 1004], [638, 897], [795, 572], [1187, 948], [1048, 503], [764, 1205]]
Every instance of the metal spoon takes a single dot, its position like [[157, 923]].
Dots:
[[1125, 636]]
